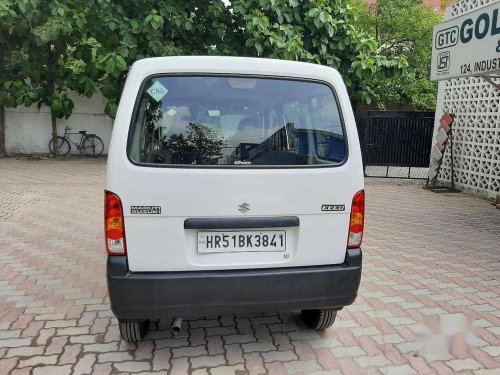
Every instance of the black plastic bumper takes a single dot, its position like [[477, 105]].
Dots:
[[153, 295]]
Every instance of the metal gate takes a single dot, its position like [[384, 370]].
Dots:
[[396, 143]]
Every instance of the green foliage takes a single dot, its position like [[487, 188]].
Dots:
[[48, 53], [206, 141], [202, 144], [403, 28], [318, 31], [53, 46], [136, 29]]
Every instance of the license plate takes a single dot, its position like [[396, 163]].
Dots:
[[221, 242]]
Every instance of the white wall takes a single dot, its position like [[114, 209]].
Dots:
[[476, 131], [29, 130]]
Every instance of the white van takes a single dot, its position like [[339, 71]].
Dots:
[[234, 185]]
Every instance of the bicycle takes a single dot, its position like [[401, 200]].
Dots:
[[90, 144]]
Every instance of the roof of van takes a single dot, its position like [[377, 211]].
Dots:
[[230, 65]]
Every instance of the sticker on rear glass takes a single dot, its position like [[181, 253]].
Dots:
[[214, 113], [157, 91], [145, 210], [171, 112]]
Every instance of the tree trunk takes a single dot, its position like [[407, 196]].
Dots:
[[55, 144], [52, 89], [2, 110]]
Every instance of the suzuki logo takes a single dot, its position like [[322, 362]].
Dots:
[[244, 208]]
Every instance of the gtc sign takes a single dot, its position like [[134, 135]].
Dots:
[[468, 45], [447, 38]]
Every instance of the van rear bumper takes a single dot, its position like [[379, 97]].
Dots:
[[153, 295]]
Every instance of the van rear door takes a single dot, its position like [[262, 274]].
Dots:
[[236, 172]]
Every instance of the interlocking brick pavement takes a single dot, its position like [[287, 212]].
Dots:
[[431, 264]]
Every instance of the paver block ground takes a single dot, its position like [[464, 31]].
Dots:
[[429, 300]]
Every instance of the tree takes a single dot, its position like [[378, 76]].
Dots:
[[7, 43], [318, 31], [136, 29], [86, 46], [50, 53], [54, 46], [403, 28], [2, 110]]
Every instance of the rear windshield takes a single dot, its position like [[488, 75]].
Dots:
[[236, 121]]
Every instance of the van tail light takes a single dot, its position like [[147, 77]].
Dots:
[[114, 225], [357, 222]]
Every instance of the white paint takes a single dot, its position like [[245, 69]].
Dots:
[[476, 130], [161, 243], [29, 130], [467, 45]]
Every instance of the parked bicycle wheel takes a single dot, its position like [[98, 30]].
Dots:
[[63, 146], [93, 145]]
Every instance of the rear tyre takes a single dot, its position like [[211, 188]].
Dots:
[[93, 145], [319, 319], [63, 146], [133, 331]]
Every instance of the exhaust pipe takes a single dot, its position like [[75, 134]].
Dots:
[[176, 326]]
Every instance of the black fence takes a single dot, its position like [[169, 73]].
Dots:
[[396, 143]]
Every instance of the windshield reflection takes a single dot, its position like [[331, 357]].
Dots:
[[203, 145]]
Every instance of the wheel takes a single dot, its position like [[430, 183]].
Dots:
[[63, 146], [319, 319], [133, 331], [92, 145]]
